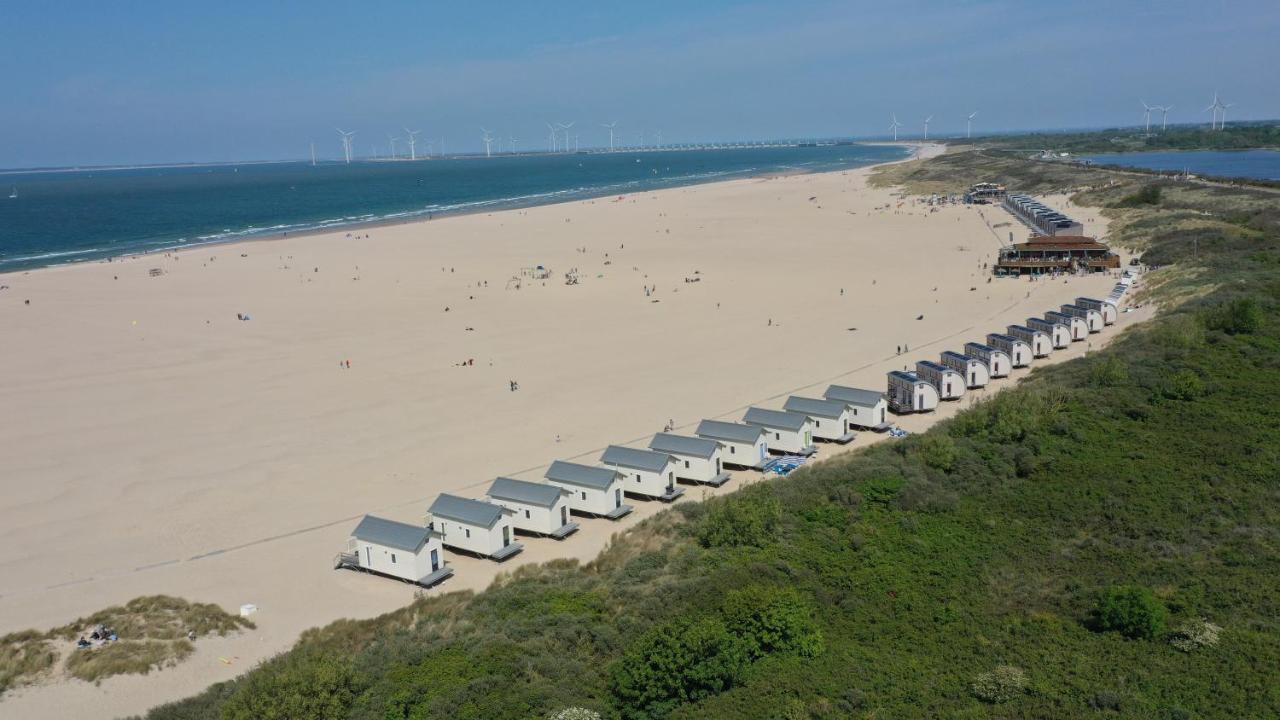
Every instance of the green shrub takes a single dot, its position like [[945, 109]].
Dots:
[[310, 685], [1183, 385], [124, 657], [575, 713], [882, 490], [23, 658], [1001, 685], [1147, 195], [1241, 316], [1109, 371], [1195, 635], [673, 663], [1131, 611], [770, 620], [938, 451], [747, 518]]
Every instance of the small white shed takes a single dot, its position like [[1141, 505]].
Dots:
[[1092, 318], [1078, 326], [745, 445], [1059, 333], [1109, 312], [975, 372], [1018, 351], [647, 473], [867, 408], [385, 547], [699, 460], [789, 433], [536, 508], [593, 490], [474, 526], [998, 363], [949, 383], [908, 393], [831, 418], [1040, 342]]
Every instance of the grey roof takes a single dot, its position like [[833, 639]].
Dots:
[[933, 366], [853, 396], [635, 459], [523, 491], [390, 533], [733, 432], [904, 375], [775, 418], [958, 356], [681, 445], [980, 346], [1023, 328], [812, 407], [1033, 321], [466, 510], [1055, 316], [582, 475], [1002, 336]]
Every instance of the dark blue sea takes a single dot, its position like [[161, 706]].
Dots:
[[77, 216], [1258, 164]]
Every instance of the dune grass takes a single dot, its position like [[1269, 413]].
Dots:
[[126, 657]]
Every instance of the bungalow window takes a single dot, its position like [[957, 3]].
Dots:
[[393, 558], [732, 449], [584, 494], [526, 514], [777, 436], [468, 532], [817, 423], [686, 463], [637, 477]]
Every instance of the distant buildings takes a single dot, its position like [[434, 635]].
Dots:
[[1042, 219], [1061, 253]]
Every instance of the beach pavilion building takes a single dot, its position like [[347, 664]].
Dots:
[[1040, 342], [1092, 318], [832, 419], [1018, 352], [699, 460], [868, 408], [949, 383], [647, 473], [997, 361], [908, 393], [536, 508], [745, 446], [1109, 311], [474, 526], [1059, 332], [1078, 327], [592, 490], [975, 372], [412, 553], [789, 433]]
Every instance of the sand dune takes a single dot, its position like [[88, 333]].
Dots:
[[153, 443]]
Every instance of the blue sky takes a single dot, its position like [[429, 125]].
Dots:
[[144, 82]]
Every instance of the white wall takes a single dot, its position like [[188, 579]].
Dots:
[[832, 428], [587, 500], [645, 482], [745, 454], [870, 417], [533, 518], [699, 469], [396, 562], [788, 440], [472, 538]]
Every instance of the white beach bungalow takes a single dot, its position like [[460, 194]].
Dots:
[[536, 508], [997, 361], [1108, 310], [908, 393], [593, 490], [1092, 318], [745, 445], [699, 460], [950, 384], [868, 408], [1078, 326], [1018, 352], [1058, 332], [407, 552], [647, 473], [474, 526], [789, 433], [975, 372], [832, 419], [1040, 342]]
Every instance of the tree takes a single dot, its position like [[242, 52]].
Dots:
[[675, 663], [1131, 611], [771, 619]]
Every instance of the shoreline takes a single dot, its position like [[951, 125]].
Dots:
[[417, 216]]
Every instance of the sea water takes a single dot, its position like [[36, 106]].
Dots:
[[1257, 164]]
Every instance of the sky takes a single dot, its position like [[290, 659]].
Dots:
[[90, 83]]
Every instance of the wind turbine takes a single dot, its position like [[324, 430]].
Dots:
[[894, 125], [968, 124], [658, 142], [551, 137], [1217, 106], [511, 144], [1222, 123], [313, 154], [565, 127], [611, 126], [926, 127], [413, 143], [488, 140], [391, 140], [1164, 115], [346, 143], [1147, 117]]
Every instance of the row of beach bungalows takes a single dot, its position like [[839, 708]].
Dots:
[[1017, 347], [487, 527]]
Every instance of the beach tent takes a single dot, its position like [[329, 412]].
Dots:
[[474, 526], [909, 393], [790, 433], [593, 490], [647, 473], [699, 460], [407, 552], [997, 361], [832, 419], [975, 372], [867, 407], [537, 508], [949, 383], [745, 445]]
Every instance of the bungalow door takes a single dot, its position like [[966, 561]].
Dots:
[[435, 560], [506, 535], [617, 497], [564, 515]]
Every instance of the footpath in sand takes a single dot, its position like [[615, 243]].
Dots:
[[154, 443]]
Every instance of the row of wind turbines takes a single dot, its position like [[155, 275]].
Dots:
[[1218, 121], [968, 124]]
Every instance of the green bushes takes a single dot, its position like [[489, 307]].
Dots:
[[1240, 316], [1147, 195], [1131, 611], [768, 620], [674, 663], [999, 686], [747, 518], [313, 686]]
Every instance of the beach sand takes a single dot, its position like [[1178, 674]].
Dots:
[[153, 443]]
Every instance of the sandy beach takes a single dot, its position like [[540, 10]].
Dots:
[[154, 443]]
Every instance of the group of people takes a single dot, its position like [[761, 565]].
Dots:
[[100, 636]]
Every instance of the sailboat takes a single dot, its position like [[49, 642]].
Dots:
[[13, 193]]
